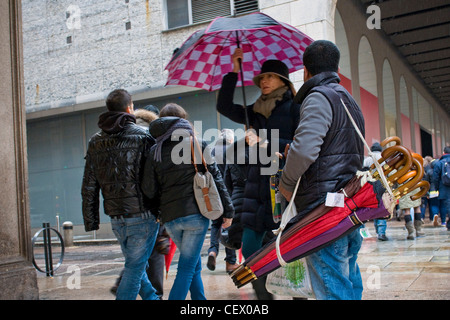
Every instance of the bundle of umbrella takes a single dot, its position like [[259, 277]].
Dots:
[[366, 198]]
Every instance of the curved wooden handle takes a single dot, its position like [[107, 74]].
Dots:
[[424, 186]]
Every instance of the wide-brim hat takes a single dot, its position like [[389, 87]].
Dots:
[[274, 67]]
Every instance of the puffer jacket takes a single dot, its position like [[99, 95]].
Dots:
[[171, 184], [257, 207], [113, 165]]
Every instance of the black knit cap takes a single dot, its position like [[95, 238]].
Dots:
[[276, 67]]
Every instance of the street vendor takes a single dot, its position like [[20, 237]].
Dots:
[[326, 153]]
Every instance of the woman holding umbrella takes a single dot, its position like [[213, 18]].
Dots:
[[273, 110]]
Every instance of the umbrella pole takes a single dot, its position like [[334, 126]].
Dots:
[[247, 124]]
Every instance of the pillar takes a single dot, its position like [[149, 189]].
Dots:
[[17, 275]]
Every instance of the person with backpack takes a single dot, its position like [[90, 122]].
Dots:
[[441, 179]]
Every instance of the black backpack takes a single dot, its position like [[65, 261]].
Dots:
[[445, 173]]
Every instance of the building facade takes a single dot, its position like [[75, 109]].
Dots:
[[76, 52]]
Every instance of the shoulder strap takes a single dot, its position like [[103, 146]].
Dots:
[[193, 153]]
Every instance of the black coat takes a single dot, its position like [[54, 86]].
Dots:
[[171, 184], [113, 164], [257, 207]]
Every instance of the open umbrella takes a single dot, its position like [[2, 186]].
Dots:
[[205, 57]]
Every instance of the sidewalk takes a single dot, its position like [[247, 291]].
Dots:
[[398, 269]]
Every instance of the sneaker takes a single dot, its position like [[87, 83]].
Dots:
[[382, 237], [211, 264], [435, 221]]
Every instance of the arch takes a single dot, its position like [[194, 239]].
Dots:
[[342, 43], [390, 109], [405, 114], [368, 90]]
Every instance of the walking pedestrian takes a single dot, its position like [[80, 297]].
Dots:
[[275, 112], [226, 138], [113, 165], [379, 224], [170, 183], [441, 175], [326, 153]]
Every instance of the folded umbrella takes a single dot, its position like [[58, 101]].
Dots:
[[306, 236]]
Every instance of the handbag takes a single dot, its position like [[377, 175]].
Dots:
[[205, 189], [291, 280]]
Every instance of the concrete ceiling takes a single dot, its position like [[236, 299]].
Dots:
[[420, 29]]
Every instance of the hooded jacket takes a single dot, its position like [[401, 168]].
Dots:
[[113, 165], [169, 183]]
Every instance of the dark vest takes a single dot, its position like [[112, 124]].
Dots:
[[342, 152]]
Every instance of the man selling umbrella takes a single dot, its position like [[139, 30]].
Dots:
[[326, 153]]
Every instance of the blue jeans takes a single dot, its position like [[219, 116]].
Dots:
[[380, 226], [216, 229], [137, 238], [188, 233], [333, 269]]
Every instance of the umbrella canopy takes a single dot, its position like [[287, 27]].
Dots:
[[205, 57]]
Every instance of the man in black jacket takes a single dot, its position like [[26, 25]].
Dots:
[[325, 154], [114, 165]]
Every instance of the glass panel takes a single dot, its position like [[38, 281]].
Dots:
[[56, 164], [177, 13]]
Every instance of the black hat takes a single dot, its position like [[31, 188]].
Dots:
[[276, 67], [376, 147]]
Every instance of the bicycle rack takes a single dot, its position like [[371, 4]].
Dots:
[[49, 268]]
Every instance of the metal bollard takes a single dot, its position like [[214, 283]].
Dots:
[[68, 233]]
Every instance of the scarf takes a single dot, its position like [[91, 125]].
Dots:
[[267, 102], [114, 121], [181, 124]]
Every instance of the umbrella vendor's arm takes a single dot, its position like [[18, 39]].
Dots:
[[225, 104], [315, 120]]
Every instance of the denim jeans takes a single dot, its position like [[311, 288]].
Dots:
[[333, 269], [188, 233], [380, 226], [216, 229], [137, 238]]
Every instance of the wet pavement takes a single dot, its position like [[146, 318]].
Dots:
[[397, 269]]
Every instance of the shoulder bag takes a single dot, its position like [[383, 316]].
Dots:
[[205, 190]]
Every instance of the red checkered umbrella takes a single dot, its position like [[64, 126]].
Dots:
[[205, 57]]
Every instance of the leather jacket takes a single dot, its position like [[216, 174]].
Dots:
[[113, 165]]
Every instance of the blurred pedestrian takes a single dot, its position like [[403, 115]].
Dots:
[[226, 138], [171, 185], [441, 175], [406, 204], [379, 224], [113, 165]]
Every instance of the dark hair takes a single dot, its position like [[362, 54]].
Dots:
[[118, 100], [321, 56], [447, 149], [173, 110]]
